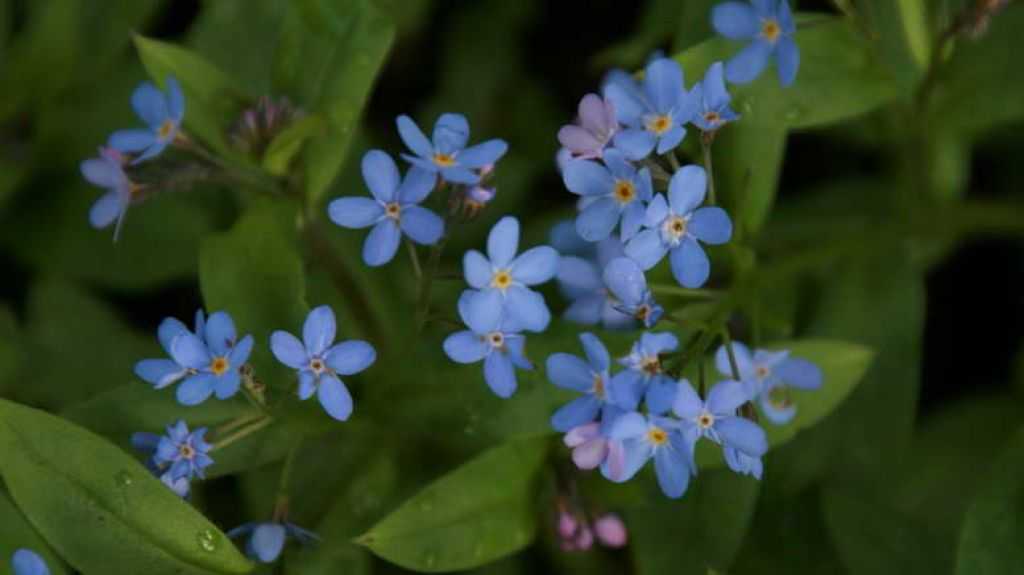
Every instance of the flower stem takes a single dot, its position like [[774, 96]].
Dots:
[[705, 146], [662, 289], [733, 366], [673, 160], [427, 285], [415, 259], [281, 501], [239, 174], [242, 433], [236, 423]]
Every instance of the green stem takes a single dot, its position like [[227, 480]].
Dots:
[[236, 423], [733, 366], [415, 259], [705, 145], [241, 433], [662, 289], [427, 285], [673, 160], [240, 174]]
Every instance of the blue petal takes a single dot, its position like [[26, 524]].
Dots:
[[726, 397], [196, 389], [575, 413], [334, 397], [149, 104], [460, 175], [307, 384], [516, 346], [598, 220], [788, 56], [663, 84], [355, 212], [131, 141], [578, 277], [465, 347], [423, 164], [735, 20], [169, 329], [220, 333], [587, 178], [175, 99], [670, 139], [785, 17], [586, 310], [661, 394], [483, 154], [145, 442], [659, 342], [105, 210], [635, 143], [535, 266], [744, 362], [632, 220], [417, 185], [159, 372], [713, 93], [629, 426], [563, 237], [102, 172], [686, 189], [413, 137], [267, 542], [500, 374], [690, 264], [240, 353], [477, 269], [381, 175], [527, 308], [626, 389], [382, 243], [350, 357], [799, 373], [742, 434], [710, 225], [288, 350], [687, 404], [189, 351], [451, 132], [318, 330], [634, 454], [626, 96], [150, 152], [503, 242], [617, 165], [657, 211], [27, 562], [481, 310], [421, 225], [597, 353], [748, 64], [227, 385], [626, 281], [777, 414], [646, 249], [570, 372], [673, 471], [742, 463]]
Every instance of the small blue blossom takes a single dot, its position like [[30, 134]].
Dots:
[[767, 375], [611, 192], [674, 227], [716, 420], [627, 283], [185, 453], [28, 562], [107, 171], [147, 444], [493, 337], [319, 363], [502, 273], [643, 376], [580, 281], [713, 110], [446, 152], [267, 539], [591, 378], [635, 439], [768, 24], [393, 211], [163, 372], [655, 114], [162, 112]]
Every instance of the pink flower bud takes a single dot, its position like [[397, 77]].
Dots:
[[567, 525], [579, 435], [591, 454], [611, 531], [585, 538]]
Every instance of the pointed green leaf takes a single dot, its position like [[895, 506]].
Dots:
[[17, 533], [287, 145]]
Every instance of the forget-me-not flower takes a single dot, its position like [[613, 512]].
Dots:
[[627, 283], [716, 420], [612, 191], [591, 377], [595, 130], [186, 453], [319, 363], [147, 444], [579, 278], [393, 211], [644, 377], [713, 110], [635, 439], [212, 365], [161, 111], [767, 375], [267, 539], [163, 372], [28, 562], [501, 272], [674, 227], [446, 152], [107, 171], [768, 24], [493, 336], [654, 115]]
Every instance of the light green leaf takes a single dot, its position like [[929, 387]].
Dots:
[[477, 513], [747, 160], [92, 501], [287, 145], [17, 533], [903, 38], [992, 539]]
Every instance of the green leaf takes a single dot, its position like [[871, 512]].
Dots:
[[287, 145], [12, 349], [838, 78], [17, 533], [92, 502], [479, 512], [747, 160], [712, 519], [992, 539], [903, 38]]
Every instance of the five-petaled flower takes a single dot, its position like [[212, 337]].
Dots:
[[162, 113], [393, 211], [768, 24], [446, 152], [610, 192], [767, 375], [147, 444], [597, 126], [579, 278], [493, 337], [713, 110], [635, 439], [183, 452], [163, 372], [503, 274], [107, 171], [591, 378], [266, 540], [655, 114], [716, 420], [674, 227], [319, 363], [627, 283], [28, 562], [644, 377]]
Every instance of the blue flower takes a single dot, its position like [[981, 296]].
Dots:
[[492, 337], [162, 113], [643, 376], [613, 191], [768, 24], [268, 539], [394, 209], [626, 281], [655, 114], [163, 372], [107, 171], [716, 420], [579, 278], [147, 444], [446, 152], [674, 227], [590, 377], [503, 274], [319, 363], [767, 375], [28, 562], [636, 438], [713, 100], [185, 453]]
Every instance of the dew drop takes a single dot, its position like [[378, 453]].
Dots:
[[430, 559], [123, 479], [747, 105], [793, 114], [207, 540]]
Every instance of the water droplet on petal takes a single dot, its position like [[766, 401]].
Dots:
[[207, 540]]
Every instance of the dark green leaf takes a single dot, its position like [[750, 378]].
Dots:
[[747, 160], [287, 145], [903, 38], [17, 533]]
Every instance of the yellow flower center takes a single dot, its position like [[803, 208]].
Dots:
[[165, 129], [444, 160], [599, 389], [659, 124], [657, 436], [705, 420], [676, 226], [712, 117], [219, 366], [624, 191], [642, 312], [186, 451], [650, 365], [501, 280], [393, 210], [770, 30]]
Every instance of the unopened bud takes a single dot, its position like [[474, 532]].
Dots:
[[584, 538], [567, 525], [611, 531]]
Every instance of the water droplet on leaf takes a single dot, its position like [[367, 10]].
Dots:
[[123, 479], [430, 559], [207, 540]]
